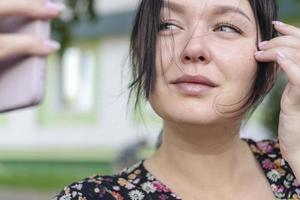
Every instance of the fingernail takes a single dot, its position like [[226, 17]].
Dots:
[[258, 52], [279, 23], [280, 54], [52, 45], [54, 6], [261, 44]]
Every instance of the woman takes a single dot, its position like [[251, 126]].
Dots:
[[204, 66], [207, 66]]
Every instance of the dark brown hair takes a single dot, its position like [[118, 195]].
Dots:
[[143, 51]]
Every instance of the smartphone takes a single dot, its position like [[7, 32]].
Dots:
[[22, 78]]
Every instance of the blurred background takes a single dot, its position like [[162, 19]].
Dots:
[[84, 126]]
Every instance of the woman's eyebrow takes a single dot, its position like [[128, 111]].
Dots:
[[218, 10]]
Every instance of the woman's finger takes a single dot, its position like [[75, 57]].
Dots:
[[17, 45], [270, 55], [286, 29], [291, 68], [30, 8], [289, 41]]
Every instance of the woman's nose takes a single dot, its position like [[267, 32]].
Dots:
[[191, 58], [195, 52]]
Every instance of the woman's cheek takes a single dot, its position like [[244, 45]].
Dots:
[[239, 71], [236, 58], [163, 58]]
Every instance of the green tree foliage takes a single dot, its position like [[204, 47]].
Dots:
[[76, 11]]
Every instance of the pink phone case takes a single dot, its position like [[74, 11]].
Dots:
[[22, 79]]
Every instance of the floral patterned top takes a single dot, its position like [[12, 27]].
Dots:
[[136, 183]]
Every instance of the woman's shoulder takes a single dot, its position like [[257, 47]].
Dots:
[[95, 187], [122, 185], [277, 170], [267, 152], [264, 146]]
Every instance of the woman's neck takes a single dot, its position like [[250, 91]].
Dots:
[[202, 157]]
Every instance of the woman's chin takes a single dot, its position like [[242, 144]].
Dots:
[[188, 112], [201, 119], [193, 111], [208, 121]]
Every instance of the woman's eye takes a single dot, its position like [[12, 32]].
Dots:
[[229, 28], [167, 26]]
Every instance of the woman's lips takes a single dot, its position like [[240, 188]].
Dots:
[[193, 89], [193, 85]]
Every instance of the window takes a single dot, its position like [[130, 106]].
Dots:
[[71, 89]]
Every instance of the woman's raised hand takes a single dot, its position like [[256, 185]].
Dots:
[[19, 44], [285, 50]]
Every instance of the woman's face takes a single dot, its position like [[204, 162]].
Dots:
[[211, 39]]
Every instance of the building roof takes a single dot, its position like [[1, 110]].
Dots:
[[107, 25]]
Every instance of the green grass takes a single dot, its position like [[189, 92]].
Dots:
[[52, 170], [49, 175], [59, 155]]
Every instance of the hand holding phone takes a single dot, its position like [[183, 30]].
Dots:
[[25, 45]]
